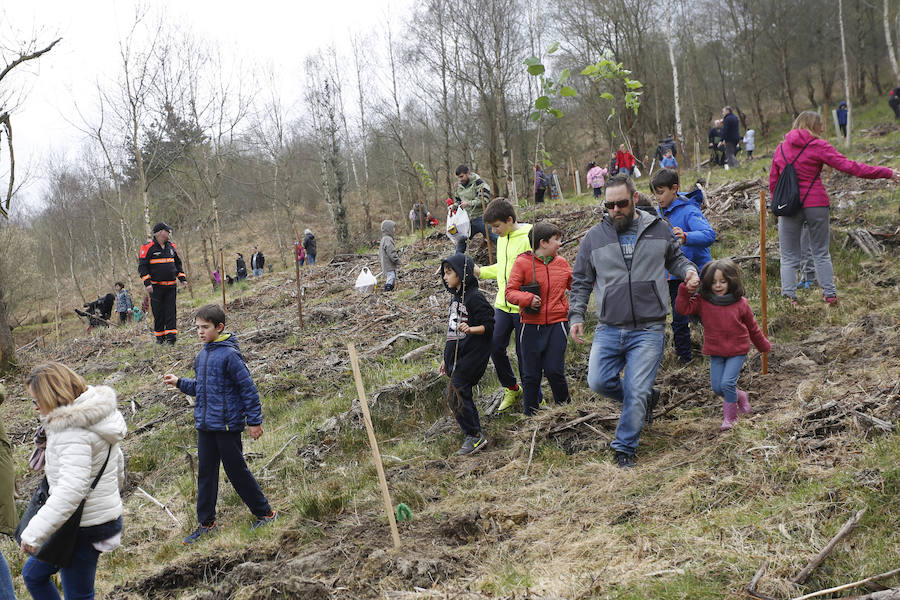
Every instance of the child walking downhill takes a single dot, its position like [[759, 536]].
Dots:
[[468, 347], [226, 402], [694, 233], [728, 329], [544, 314], [388, 254], [512, 241]]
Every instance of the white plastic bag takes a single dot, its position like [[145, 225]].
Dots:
[[458, 226], [365, 282], [637, 172]]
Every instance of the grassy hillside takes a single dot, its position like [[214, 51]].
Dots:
[[542, 509]]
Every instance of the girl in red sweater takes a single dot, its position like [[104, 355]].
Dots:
[[544, 313], [728, 329]]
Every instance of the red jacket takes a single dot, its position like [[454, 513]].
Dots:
[[554, 278], [818, 153], [727, 330], [624, 160]]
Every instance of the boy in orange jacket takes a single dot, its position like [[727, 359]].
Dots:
[[544, 313]]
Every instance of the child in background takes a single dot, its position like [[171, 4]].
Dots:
[[512, 240], [545, 315], [696, 235], [388, 254], [226, 402], [728, 329], [668, 161], [468, 348], [749, 143], [124, 305], [595, 177]]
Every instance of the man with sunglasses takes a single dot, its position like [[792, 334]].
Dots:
[[623, 260]]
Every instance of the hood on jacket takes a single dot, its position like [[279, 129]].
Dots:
[[226, 339], [95, 410], [465, 270], [797, 138], [387, 227]]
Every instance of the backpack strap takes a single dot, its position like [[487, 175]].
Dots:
[[103, 468], [811, 183]]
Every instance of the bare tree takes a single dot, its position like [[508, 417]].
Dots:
[[892, 55], [846, 71]]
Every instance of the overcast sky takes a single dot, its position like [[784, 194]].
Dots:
[[261, 31]]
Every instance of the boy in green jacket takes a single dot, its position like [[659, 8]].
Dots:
[[512, 240]]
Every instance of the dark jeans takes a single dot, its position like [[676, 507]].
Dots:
[[77, 578], [162, 302], [124, 317], [896, 107], [463, 406], [843, 127], [730, 151], [505, 324], [214, 447], [681, 332], [544, 354], [539, 195], [598, 191], [477, 226]]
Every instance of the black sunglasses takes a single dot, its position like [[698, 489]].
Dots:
[[620, 203]]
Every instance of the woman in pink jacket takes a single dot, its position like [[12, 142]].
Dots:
[[804, 145]]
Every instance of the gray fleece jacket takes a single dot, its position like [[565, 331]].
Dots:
[[387, 251], [634, 298]]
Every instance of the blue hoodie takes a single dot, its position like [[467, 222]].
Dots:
[[227, 399], [684, 213]]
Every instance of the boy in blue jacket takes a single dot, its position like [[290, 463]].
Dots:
[[696, 235], [226, 401]]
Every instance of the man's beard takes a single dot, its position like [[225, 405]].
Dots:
[[624, 223]]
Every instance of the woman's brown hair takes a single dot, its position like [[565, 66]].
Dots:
[[810, 121], [730, 271], [54, 384]]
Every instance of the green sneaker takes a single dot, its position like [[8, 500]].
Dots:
[[510, 398], [544, 404]]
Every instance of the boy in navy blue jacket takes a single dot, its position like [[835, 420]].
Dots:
[[696, 235], [226, 401], [468, 348]]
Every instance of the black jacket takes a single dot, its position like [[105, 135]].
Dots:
[[466, 356], [731, 129], [714, 136], [309, 244], [257, 260], [158, 265], [241, 267]]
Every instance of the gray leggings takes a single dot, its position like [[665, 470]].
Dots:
[[789, 234]]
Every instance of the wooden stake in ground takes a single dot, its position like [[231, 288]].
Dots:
[[41, 323], [763, 288], [222, 277], [373, 444], [297, 270]]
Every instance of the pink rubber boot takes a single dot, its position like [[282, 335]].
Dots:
[[743, 402], [730, 412]]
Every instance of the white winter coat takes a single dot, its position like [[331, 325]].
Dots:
[[78, 437]]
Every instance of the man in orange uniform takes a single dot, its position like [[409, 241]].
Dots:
[[160, 269]]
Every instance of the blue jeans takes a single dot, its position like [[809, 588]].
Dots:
[[723, 375], [7, 591], [476, 226], [77, 578], [310, 259], [257, 272], [639, 352]]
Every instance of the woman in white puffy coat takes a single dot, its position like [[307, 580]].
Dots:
[[83, 427]]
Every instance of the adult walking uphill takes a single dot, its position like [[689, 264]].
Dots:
[[309, 244], [160, 269], [472, 194], [731, 135], [623, 259], [805, 149]]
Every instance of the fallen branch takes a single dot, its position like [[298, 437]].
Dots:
[[751, 589], [890, 594], [848, 586], [409, 335], [588, 417], [417, 353], [277, 454], [848, 527], [144, 493], [531, 451]]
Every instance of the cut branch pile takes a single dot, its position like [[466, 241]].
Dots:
[[737, 194]]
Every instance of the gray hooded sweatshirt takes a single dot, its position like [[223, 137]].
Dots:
[[387, 251]]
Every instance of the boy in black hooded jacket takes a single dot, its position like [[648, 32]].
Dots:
[[468, 347]]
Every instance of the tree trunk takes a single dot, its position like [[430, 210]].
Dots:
[[846, 70], [892, 55], [7, 343], [678, 132]]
